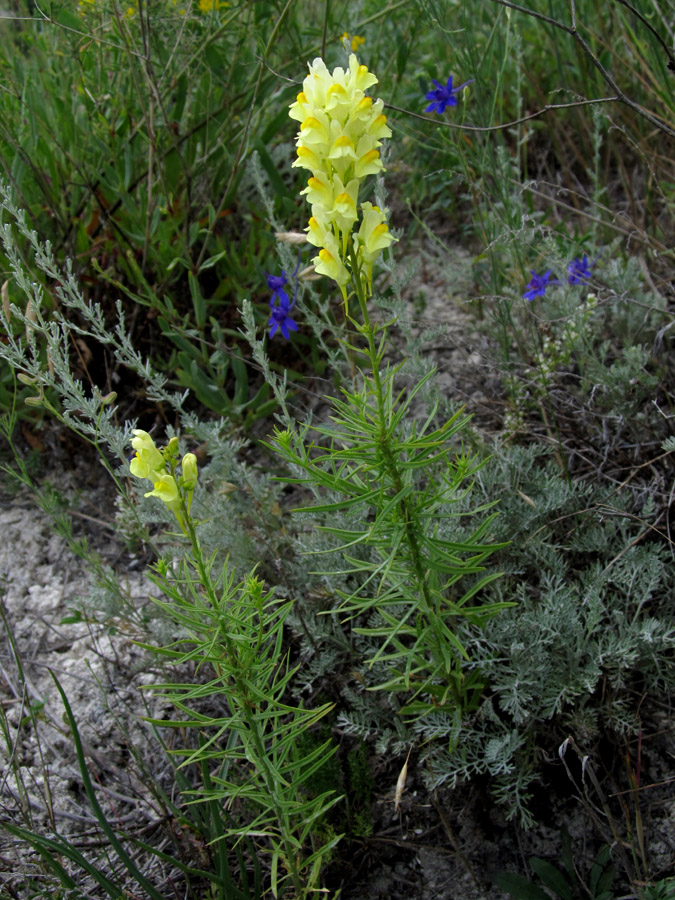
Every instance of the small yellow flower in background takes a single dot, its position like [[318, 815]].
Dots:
[[209, 5], [353, 42]]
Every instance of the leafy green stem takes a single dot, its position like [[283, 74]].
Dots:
[[411, 523], [253, 734]]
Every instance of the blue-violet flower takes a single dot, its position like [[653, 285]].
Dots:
[[579, 270], [444, 95], [538, 284], [277, 283], [280, 320]]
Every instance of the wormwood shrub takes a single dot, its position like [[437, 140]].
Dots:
[[592, 632]]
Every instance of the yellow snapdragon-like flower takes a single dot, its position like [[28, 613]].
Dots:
[[373, 237], [341, 130], [151, 463], [148, 459], [165, 487]]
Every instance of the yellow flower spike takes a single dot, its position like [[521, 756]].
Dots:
[[340, 132]]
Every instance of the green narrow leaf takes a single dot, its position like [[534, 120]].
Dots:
[[69, 19], [198, 301], [50, 848], [518, 887], [552, 877], [241, 381], [124, 857], [275, 867]]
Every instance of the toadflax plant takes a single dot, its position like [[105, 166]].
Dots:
[[248, 736], [388, 472]]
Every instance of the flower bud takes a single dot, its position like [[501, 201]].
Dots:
[[190, 473], [172, 447]]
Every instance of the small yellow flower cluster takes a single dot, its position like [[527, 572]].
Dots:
[[206, 6], [353, 42], [340, 131], [151, 463]]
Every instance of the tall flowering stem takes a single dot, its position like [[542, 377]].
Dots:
[[401, 479]]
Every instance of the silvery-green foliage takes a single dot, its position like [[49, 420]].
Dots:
[[41, 348], [234, 501], [592, 629]]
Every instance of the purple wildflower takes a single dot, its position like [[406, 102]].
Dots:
[[579, 270], [280, 319], [538, 284], [444, 95], [277, 283], [281, 304]]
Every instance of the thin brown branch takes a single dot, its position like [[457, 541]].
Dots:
[[487, 128]]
